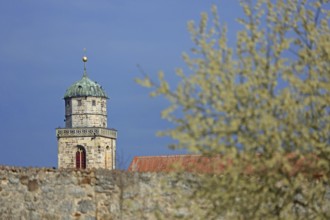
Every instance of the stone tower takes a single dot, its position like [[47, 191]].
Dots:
[[86, 142]]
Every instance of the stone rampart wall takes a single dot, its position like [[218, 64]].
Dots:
[[40, 193]]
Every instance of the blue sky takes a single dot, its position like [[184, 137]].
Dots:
[[41, 45]]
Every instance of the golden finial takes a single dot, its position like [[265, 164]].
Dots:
[[84, 59]]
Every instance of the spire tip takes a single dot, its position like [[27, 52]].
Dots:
[[84, 59]]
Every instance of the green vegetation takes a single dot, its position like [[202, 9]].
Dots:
[[263, 105]]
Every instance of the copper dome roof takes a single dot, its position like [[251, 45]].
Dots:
[[85, 87]]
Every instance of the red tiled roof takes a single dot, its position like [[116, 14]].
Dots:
[[216, 164], [191, 163]]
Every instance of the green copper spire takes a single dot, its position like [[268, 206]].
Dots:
[[85, 87]]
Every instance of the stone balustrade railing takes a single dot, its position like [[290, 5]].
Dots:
[[85, 132]]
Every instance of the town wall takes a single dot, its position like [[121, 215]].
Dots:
[[63, 194]]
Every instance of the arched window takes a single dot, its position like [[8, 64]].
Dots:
[[81, 158]]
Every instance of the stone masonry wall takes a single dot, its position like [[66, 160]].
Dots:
[[100, 151], [31, 193], [86, 114]]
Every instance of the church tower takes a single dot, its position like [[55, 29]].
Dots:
[[86, 142]]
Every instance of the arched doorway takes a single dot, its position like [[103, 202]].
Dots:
[[80, 157]]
